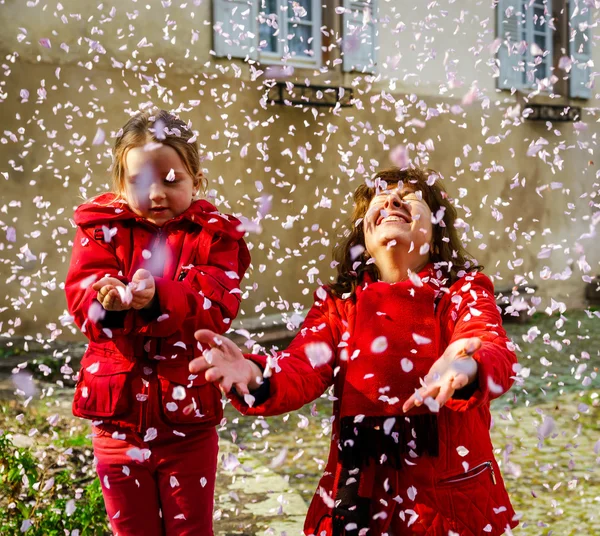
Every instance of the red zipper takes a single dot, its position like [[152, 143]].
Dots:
[[471, 473]]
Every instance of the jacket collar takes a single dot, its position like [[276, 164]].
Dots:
[[109, 208], [425, 275]]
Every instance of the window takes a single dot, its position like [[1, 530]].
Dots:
[[525, 54], [360, 34], [235, 28], [289, 31], [580, 21], [272, 31], [527, 30]]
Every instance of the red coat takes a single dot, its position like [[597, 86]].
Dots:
[[136, 359], [471, 503]]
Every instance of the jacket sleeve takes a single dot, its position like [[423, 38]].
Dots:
[[473, 313], [208, 297], [294, 381], [92, 260]]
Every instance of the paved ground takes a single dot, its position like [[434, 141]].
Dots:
[[553, 482]]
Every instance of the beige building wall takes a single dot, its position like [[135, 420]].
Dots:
[[426, 48], [308, 159]]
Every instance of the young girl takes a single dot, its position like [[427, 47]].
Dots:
[[406, 458], [150, 265]]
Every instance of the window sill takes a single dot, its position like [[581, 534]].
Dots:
[[301, 63], [524, 95], [545, 97]]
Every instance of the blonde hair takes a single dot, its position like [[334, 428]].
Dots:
[[156, 126]]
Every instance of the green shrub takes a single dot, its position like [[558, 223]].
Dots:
[[39, 498]]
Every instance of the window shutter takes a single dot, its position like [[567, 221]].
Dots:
[[580, 45], [359, 33], [510, 29], [235, 28]]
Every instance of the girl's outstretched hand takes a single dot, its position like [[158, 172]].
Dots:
[[455, 369], [113, 295], [142, 288], [224, 363]]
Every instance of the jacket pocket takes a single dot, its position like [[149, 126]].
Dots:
[[186, 399], [464, 478], [475, 501], [104, 387]]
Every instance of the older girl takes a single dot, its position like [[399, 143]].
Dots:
[[411, 339]]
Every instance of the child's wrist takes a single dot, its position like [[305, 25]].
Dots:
[[256, 375]]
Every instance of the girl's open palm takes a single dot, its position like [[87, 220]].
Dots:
[[455, 369], [225, 364]]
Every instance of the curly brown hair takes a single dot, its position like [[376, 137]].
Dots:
[[448, 252], [158, 126]]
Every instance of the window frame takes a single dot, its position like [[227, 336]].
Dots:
[[577, 89], [527, 31], [348, 61], [283, 21], [530, 34]]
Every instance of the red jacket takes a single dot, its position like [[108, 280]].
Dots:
[[136, 359], [469, 503]]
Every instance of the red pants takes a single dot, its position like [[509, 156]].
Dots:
[[167, 490]]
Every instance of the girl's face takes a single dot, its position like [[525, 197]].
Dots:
[[158, 186], [398, 214]]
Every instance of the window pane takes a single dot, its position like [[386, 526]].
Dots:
[[579, 39], [268, 7], [541, 70], [300, 10], [267, 29], [539, 19], [540, 41], [298, 40]]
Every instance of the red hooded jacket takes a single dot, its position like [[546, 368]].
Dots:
[[470, 502], [134, 373]]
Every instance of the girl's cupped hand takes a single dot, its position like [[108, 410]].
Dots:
[[114, 295]]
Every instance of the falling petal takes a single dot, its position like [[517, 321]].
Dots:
[[420, 339], [379, 345], [318, 353], [99, 137]]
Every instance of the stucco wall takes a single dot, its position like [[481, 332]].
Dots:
[[312, 189]]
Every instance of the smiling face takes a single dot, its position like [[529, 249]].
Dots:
[[398, 214], [413, 223], [157, 184]]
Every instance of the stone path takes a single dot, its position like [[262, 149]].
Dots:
[[553, 481], [252, 499]]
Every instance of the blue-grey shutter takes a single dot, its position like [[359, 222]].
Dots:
[[359, 35], [509, 30], [580, 46], [235, 28]]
